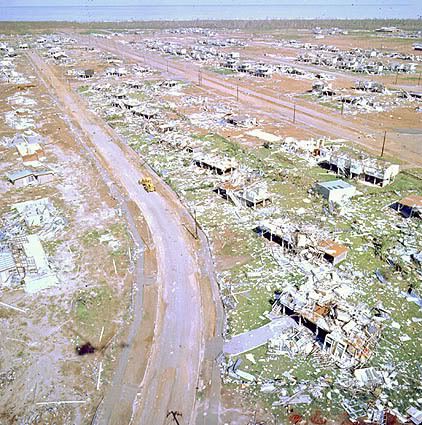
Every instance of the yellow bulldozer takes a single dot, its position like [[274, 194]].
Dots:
[[147, 183]]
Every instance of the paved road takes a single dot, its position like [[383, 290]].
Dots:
[[172, 373], [256, 337]]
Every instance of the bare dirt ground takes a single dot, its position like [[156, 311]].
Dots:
[[40, 367], [163, 357], [172, 373], [320, 120]]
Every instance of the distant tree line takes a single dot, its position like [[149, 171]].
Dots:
[[248, 25]]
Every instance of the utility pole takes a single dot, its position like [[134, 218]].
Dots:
[[342, 108], [397, 77], [383, 143], [294, 113], [167, 63], [419, 79], [196, 224]]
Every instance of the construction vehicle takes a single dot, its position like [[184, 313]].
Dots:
[[147, 183]]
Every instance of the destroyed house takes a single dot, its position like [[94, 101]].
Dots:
[[27, 177], [25, 261], [169, 83], [251, 196], [167, 127], [7, 266], [371, 170], [86, 73], [118, 72], [145, 113], [130, 103], [346, 333], [240, 120], [305, 239], [120, 94], [245, 67], [29, 151], [263, 71], [230, 63], [411, 206], [322, 88], [60, 55], [216, 164], [371, 86], [135, 84]]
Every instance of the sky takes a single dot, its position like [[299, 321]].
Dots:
[[9, 3]]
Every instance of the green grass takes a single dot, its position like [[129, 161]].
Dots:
[[222, 71], [51, 247], [92, 237], [83, 89], [289, 179]]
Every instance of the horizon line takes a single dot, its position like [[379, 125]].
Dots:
[[218, 5]]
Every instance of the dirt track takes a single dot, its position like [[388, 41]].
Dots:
[[320, 121], [186, 315]]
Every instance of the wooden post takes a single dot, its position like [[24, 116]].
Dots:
[[383, 143], [196, 224], [100, 370]]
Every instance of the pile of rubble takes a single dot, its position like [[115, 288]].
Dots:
[[23, 260]]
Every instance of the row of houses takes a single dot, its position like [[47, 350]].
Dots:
[[355, 63], [372, 170], [352, 163], [366, 53], [257, 69]]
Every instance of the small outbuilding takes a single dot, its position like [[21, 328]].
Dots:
[[28, 177], [336, 191], [21, 178], [333, 251]]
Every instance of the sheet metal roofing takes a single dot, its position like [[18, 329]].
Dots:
[[335, 184], [6, 261]]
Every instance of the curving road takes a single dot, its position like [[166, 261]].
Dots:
[[183, 320]]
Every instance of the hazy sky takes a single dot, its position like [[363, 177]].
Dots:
[[414, 4]]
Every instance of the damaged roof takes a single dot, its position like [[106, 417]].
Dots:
[[332, 248], [413, 201]]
